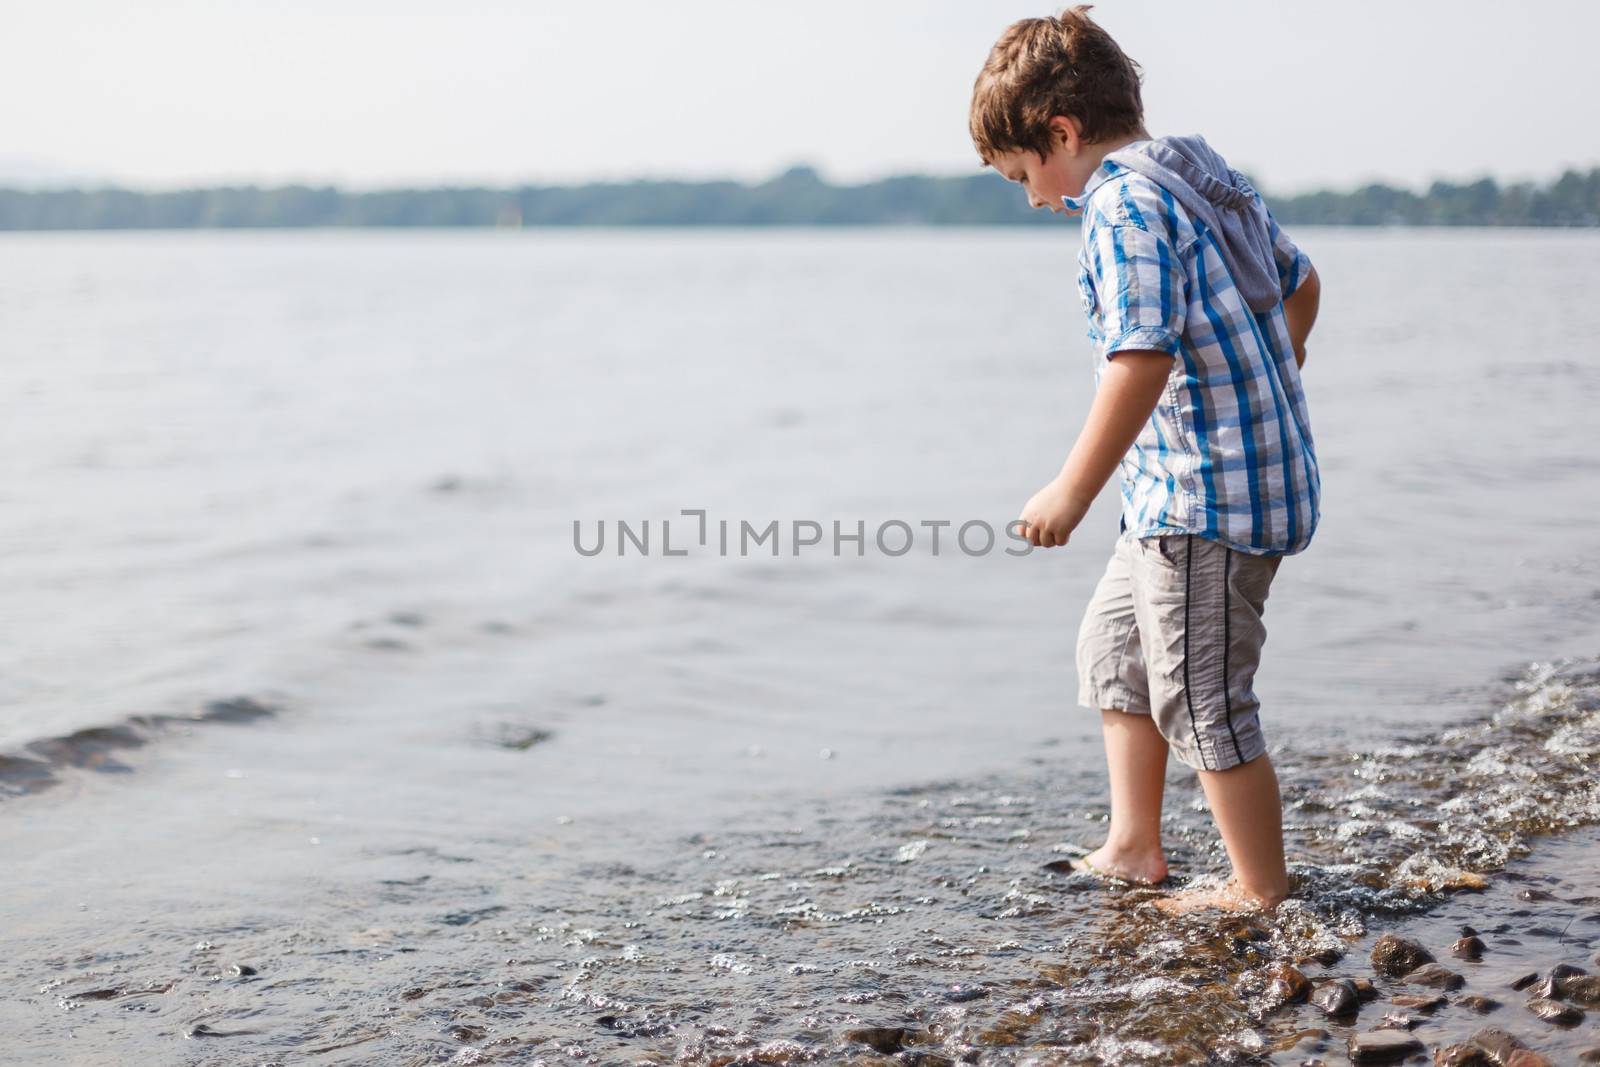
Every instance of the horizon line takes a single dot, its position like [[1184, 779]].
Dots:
[[794, 171]]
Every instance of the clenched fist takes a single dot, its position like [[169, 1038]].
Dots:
[[1052, 514]]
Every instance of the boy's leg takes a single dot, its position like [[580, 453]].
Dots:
[[1136, 761], [1245, 803], [1111, 678], [1199, 606]]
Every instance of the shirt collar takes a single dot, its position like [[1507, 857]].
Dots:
[[1102, 174]]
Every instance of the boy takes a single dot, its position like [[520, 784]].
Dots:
[[1199, 306]]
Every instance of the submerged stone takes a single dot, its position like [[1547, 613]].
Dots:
[[1424, 1002], [885, 1039], [1585, 990], [1337, 997], [1481, 1005], [1553, 1011], [1431, 974], [1563, 971], [1286, 985], [1499, 1045], [1394, 955], [1382, 1046]]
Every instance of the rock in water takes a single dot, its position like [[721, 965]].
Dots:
[[1505, 1049], [1528, 1058], [1419, 1002], [1338, 997], [885, 1039], [1286, 985], [1553, 1011], [1462, 1056], [1431, 974], [1394, 955], [1468, 948], [1585, 990], [1498, 1044], [1382, 1046], [1481, 1005]]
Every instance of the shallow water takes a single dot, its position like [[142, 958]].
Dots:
[[302, 666], [927, 922]]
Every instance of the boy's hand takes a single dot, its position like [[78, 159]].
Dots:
[[1052, 514]]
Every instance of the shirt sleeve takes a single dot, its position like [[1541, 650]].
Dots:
[[1142, 290], [1293, 264]]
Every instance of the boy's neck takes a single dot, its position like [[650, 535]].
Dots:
[[1101, 149]]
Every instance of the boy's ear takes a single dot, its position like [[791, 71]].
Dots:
[[1066, 132]]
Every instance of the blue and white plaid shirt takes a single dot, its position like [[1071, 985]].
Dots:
[[1227, 453]]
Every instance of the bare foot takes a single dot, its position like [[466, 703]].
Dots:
[[1231, 897], [1133, 866]]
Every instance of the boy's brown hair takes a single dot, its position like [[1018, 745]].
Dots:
[[1066, 65]]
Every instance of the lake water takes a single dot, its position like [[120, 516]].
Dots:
[[302, 668]]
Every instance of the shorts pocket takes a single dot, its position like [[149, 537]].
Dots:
[[1166, 550]]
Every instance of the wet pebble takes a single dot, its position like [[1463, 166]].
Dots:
[[1468, 948], [1585, 990], [885, 1039], [1461, 1056], [1382, 1046], [1545, 988], [1563, 976], [1286, 985], [1394, 955], [1337, 998], [1419, 1001], [1527, 1058], [1525, 980], [961, 994], [1436, 977], [1480, 1005], [1555, 1012], [1504, 1048]]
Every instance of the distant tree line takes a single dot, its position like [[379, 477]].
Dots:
[[798, 197]]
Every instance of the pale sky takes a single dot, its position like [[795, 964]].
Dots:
[[163, 93]]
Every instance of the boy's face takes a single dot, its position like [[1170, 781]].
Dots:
[[1064, 172]]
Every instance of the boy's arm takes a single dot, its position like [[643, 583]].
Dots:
[[1300, 311], [1299, 282], [1130, 386]]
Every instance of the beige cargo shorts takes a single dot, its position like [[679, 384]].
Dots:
[[1174, 631]]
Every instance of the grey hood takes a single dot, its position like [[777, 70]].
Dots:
[[1210, 190]]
